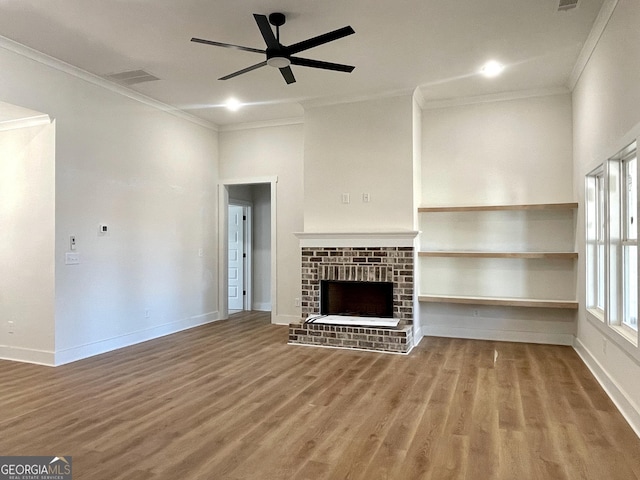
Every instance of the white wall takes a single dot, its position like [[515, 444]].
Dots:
[[606, 109], [251, 153], [27, 196], [356, 148], [241, 193], [151, 177], [502, 152]]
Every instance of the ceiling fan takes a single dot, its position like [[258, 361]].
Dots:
[[281, 56]]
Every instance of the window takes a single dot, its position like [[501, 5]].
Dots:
[[596, 240], [612, 242], [629, 190]]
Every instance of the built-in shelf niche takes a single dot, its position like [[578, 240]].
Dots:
[[499, 255]]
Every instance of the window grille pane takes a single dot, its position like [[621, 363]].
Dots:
[[599, 280], [600, 208], [595, 238], [631, 204], [630, 315]]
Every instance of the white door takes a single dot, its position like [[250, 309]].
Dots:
[[236, 254]]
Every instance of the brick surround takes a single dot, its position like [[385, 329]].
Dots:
[[363, 264], [391, 340]]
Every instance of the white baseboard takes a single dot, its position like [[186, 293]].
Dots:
[[261, 306], [629, 409], [27, 355], [497, 335], [102, 346]]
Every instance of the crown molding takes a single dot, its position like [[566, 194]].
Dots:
[[278, 122], [495, 97], [94, 79], [325, 102], [591, 42], [418, 97], [322, 102], [25, 122]]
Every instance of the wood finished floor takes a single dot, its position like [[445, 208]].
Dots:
[[231, 400]]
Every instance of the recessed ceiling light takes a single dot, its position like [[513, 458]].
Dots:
[[233, 104], [492, 69]]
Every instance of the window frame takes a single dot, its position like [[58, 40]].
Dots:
[[627, 239], [608, 223], [596, 238]]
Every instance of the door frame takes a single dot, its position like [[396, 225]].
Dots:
[[223, 241], [247, 250]]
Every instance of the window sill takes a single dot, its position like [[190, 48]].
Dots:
[[623, 336], [627, 343], [596, 314], [627, 333]]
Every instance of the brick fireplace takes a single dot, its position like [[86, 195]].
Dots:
[[361, 258]]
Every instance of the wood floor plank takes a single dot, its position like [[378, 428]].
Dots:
[[419, 460], [484, 436], [232, 400], [451, 459], [515, 455]]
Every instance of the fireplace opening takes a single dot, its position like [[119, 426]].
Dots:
[[358, 299]]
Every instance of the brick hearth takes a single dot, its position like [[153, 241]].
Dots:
[[363, 264]]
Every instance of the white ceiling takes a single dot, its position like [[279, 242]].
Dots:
[[437, 45]]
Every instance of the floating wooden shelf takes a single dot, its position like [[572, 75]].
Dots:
[[499, 301], [489, 208], [484, 254]]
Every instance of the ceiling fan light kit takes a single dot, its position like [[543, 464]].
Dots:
[[278, 62], [281, 56]]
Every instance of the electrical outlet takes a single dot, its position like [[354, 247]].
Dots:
[[147, 313], [475, 313], [297, 302], [366, 198], [71, 258], [11, 327], [346, 198]]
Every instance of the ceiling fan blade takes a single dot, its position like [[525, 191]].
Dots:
[[244, 70], [319, 40], [287, 74], [227, 45], [306, 62], [265, 29]]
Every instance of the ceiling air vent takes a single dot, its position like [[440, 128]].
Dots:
[[132, 77], [567, 5]]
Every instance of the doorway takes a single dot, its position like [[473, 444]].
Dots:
[[248, 251]]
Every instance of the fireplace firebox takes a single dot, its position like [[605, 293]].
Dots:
[[360, 299]]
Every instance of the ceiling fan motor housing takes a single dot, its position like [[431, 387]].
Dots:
[[277, 19]]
